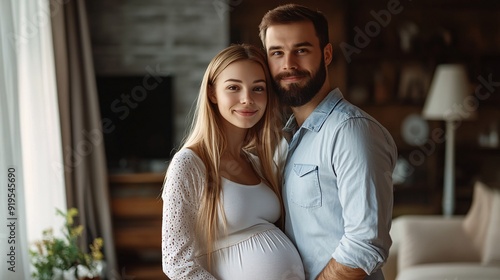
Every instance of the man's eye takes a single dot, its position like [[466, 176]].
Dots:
[[276, 53], [301, 50]]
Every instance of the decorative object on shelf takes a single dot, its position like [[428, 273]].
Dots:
[[402, 171], [408, 31], [494, 135], [489, 139], [447, 100], [414, 83], [384, 78], [62, 258], [415, 130]]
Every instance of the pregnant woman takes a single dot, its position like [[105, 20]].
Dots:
[[221, 196]]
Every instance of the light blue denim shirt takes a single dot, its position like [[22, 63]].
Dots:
[[337, 190]]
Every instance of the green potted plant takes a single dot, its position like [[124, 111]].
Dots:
[[62, 258]]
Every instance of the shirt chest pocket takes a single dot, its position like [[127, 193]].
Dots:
[[304, 186]]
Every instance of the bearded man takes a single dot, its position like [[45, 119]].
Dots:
[[337, 191]]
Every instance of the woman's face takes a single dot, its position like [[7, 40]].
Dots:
[[240, 93]]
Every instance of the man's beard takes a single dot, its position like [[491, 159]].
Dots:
[[297, 95]]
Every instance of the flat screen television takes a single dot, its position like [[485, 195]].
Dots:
[[137, 119]]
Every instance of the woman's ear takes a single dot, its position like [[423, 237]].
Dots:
[[211, 94]]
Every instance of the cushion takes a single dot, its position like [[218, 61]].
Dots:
[[491, 250], [477, 220], [434, 239]]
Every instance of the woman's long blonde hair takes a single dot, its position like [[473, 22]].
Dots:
[[207, 139]]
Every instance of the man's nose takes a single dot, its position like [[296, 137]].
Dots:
[[289, 62]]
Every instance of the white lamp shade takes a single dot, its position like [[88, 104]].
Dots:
[[447, 98]]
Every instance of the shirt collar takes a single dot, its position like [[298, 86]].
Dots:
[[316, 119]]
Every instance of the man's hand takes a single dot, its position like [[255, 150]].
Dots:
[[336, 271]]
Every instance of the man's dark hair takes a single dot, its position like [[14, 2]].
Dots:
[[291, 13]]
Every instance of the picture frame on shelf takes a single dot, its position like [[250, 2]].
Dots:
[[414, 83]]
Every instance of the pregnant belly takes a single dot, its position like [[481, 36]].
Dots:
[[266, 255]]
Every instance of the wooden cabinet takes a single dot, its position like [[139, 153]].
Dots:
[[136, 208]]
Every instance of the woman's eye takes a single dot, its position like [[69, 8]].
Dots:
[[259, 89], [232, 88]]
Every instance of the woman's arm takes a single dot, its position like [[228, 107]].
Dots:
[[181, 189]]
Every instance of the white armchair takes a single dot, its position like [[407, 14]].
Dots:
[[457, 248]]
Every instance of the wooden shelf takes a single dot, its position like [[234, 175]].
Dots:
[[139, 239], [136, 209], [377, 71], [145, 272], [128, 178]]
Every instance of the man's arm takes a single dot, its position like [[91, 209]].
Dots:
[[336, 271], [364, 161]]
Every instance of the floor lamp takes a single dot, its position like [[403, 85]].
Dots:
[[448, 100]]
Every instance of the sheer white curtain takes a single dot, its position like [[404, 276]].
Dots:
[[30, 130], [13, 245]]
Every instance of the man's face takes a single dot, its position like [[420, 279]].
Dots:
[[296, 62]]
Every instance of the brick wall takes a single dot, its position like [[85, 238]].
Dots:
[[175, 37]]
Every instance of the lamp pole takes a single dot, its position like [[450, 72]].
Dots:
[[449, 170]]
